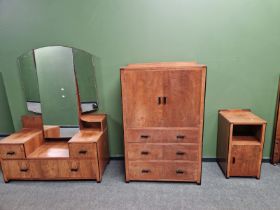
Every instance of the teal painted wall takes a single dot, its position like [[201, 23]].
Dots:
[[238, 40], [6, 123]]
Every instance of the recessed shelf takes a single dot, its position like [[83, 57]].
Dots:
[[51, 150]]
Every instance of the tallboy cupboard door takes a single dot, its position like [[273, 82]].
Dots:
[[184, 96], [142, 104]]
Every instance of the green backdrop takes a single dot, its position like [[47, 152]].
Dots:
[[238, 41], [6, 123]]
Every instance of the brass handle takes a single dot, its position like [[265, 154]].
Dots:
[[24, 169], [11, 153], [145, 136], [144, 152], [179, 171], [180, 153], [180, 137], [145, 171], [82, 152]]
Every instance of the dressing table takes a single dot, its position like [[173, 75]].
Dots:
[[42, 151]]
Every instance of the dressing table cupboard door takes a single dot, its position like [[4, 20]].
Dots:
[[143, 91]]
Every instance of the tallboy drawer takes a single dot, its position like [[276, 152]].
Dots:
[[190, 135], [12, 151], [158, 151], [83, 150], [165, 171]]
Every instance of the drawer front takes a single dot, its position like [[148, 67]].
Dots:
[[181, 152], [146, 151], [143, 151], [10, 151], [78, 169], [165, 171], [245, 160], [20, 169], [83, 150], [162, 135]]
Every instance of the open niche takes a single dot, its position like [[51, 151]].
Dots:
[[246, 134], [64, 134]]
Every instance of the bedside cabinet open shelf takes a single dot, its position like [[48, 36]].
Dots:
[[240, 143]]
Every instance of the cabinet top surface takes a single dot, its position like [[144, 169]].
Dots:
[[86, 136], [21, 137], [163, 65], [241, 117], [93, 117]]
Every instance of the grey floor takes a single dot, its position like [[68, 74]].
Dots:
[[216, 192]]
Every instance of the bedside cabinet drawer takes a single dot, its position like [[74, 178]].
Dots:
[[163, 135], [78, 169], [10, 151], [83, 150], [143, 151]]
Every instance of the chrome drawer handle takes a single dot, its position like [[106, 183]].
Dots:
[[145, 136], [145, 171], [144, 152], [180, 153], [24, 169], [82, 152], [180, 137], [179, 171], [11, 153]]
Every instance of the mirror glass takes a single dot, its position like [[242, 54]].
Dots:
[[59, 84]]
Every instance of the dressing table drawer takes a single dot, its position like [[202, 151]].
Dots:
[[78, 169], [188, 135], [83, 150], [12, 151], [20, 169]]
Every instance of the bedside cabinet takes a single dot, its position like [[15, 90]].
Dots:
[[240, 143]]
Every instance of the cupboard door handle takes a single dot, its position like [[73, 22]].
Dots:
[[180, 137], [145, 136], [179, 171], [11, 153], [180, 153], [145, 171], [159, 100], [144, 152], [82, 152], [164, 100], [233, 160], [24, 169]]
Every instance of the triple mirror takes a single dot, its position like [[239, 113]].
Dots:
[[59, 84]]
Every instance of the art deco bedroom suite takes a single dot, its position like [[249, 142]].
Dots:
[[139, 104], [163, 118]]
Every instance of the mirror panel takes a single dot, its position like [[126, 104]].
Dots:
[[85, 74], [59, 83], [29, 81]]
